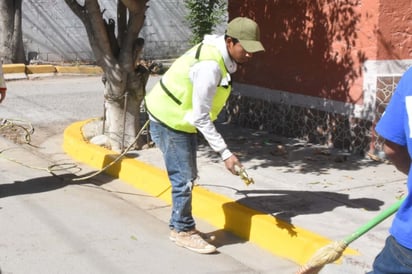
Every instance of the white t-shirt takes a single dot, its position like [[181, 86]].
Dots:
[[205, 77]]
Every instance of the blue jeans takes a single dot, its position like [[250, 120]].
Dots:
[[179, 153], [393, 259]]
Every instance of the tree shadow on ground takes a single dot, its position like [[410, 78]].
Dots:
[[264, 149], [49, 183]]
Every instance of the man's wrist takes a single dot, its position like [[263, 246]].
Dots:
[[225, 154]]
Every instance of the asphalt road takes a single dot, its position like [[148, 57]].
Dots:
[[52, 224], [52, 103]]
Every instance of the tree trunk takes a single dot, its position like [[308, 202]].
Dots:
[[124, 79], [11, 36], [123, 114]]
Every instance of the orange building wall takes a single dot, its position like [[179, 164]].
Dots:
[[313, 48], [395, 30]]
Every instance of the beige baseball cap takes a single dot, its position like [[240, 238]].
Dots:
[[247, 32]]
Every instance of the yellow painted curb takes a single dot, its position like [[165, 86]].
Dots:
[[276, 236], [32, 69], [14, 68], [79, 69]]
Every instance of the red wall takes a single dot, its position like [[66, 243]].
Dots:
[[314, 48]]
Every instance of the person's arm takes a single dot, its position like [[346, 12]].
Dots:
[[2, 94], [206, 76], [3, 87], [398, 155]]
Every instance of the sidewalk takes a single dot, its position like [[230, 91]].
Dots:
[[304, 196]]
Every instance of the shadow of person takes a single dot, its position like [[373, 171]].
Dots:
[[286, 204], [46, 183], [35, 185], [278, 207]]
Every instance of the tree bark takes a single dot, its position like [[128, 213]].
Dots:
[[11, 35]]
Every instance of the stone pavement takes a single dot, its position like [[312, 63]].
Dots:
[[304, 196]]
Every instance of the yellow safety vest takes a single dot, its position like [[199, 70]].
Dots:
[[170, 102]]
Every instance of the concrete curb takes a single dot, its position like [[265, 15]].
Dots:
[[22, 71], [262, 229]]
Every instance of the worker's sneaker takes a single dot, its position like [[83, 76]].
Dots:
[[192, 240], [206, 236], [173, 235]]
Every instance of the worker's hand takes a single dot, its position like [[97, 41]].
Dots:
[[2, 94], [230, 164]]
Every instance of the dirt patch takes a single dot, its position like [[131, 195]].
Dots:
[[23, 132], [16, 131]]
